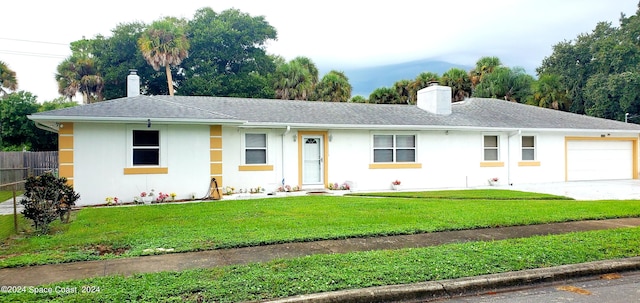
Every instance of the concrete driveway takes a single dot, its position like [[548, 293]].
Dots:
[[586, 190]]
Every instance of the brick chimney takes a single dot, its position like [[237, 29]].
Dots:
[[435, 99]]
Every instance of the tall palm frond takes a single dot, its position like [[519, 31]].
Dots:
[[164, 44], [8, 79]]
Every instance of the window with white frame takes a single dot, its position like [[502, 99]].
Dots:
[[490, 147], [394, 148], [255, 148], [146, 147], [528, 148]]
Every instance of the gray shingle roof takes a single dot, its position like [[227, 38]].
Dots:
[[472, 113]]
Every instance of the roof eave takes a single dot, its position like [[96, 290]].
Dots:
[[427, 127], [42, 118]]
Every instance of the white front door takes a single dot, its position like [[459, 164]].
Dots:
[[312, 160]]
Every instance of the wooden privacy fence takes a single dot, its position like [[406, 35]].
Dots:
[[17, 166]]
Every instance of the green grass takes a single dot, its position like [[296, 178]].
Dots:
[[6, 221], [8, 194], [237, 223], [7, 227], [475, 194], [320, 273]]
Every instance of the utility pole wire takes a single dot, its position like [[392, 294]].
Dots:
[[10, 52], [34, 41]]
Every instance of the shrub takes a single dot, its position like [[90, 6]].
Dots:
[[46, 198]]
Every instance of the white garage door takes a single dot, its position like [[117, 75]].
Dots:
[[599, 160]]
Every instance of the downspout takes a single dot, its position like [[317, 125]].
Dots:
[[286, 132]]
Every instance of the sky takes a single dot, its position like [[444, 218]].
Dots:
[[335, 34]]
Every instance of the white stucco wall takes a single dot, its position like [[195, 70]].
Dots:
[[449, 159], [101, 154], [233, 153]]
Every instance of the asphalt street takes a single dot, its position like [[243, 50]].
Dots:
[[611, 288]]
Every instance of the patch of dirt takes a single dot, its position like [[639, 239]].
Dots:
[[611, 276], [9, 256], [574, 289], [106, 249], [194, 297]]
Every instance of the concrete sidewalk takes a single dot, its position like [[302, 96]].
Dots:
[[37, 275], [6, 207]]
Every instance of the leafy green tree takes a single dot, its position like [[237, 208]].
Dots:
[[57, 103], [610, 96], [385, 95], [117, 54], [459, 82], [605, 54], [227, 55], [512, 84], [333, 87], [165, 43], [8, 79], [421, 81], [548, 91], [17, 132], [359, 99]]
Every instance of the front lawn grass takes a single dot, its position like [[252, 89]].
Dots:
[[474, 194], [6, 221], [100, 233], [8, 194], [320, 273], [7, 225]]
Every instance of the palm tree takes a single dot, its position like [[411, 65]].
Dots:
[[165, 43], [511, 84], [484, 66], [310, 66], [8, 79], [384, 95], [79, 74], [421, 81], [459, 82], [549, 92], [296, 79], [402, 88], [358, 99], [333, 87]]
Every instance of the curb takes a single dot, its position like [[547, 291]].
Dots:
[[446, 289]]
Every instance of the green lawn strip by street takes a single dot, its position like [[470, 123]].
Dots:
[[485, 194], [320, 273], [128, 231]]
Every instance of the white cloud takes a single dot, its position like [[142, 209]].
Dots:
[[335, 34]]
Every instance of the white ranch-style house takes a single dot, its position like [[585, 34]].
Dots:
[[125, 146]]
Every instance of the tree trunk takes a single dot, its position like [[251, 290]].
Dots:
[[169, 79]]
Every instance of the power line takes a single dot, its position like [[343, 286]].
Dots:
[[34, 41], [43, 55]]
